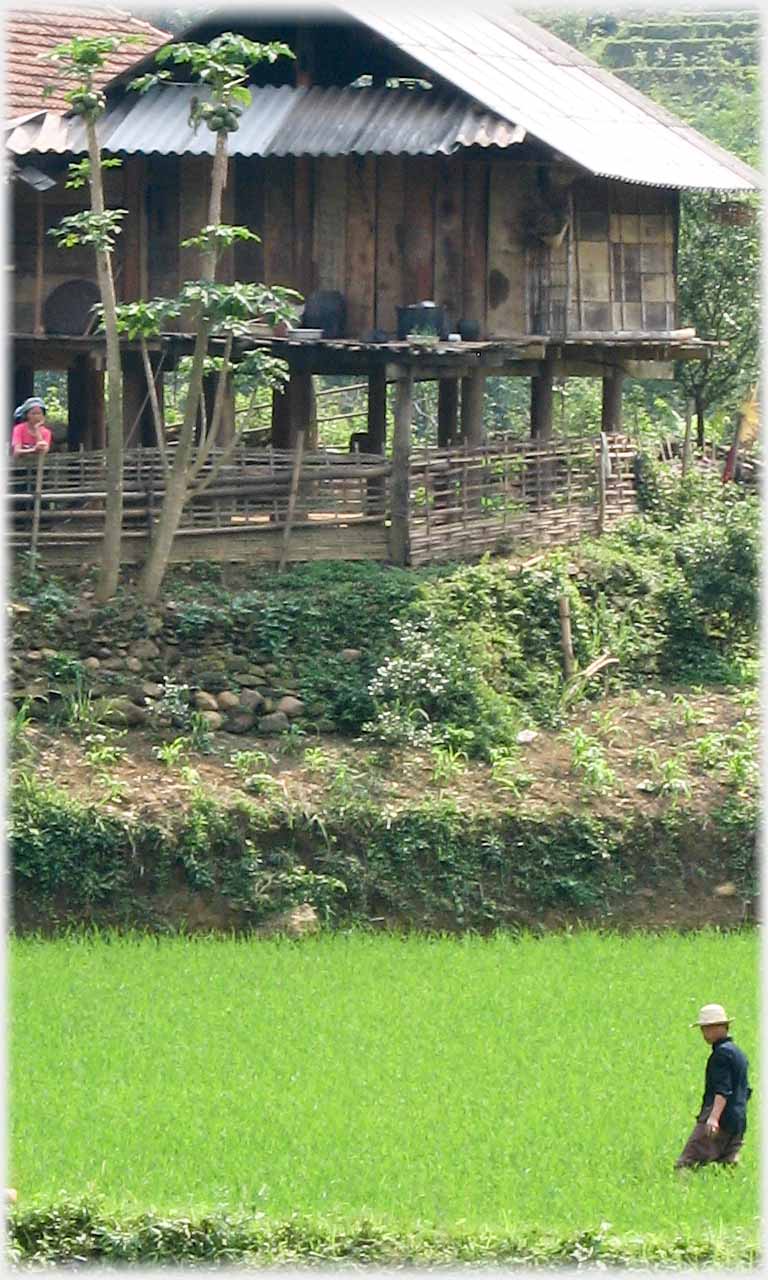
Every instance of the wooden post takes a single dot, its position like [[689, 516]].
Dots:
[[39, 265], [687, 437], [400, 491], [566, 639], [85, 405], [472, 395], [542, 402], [302, 413], [281, 423], [377, 409], [613, 385], [36, 511], [447, 411], [602, 445], [298, 455], [23, 383]]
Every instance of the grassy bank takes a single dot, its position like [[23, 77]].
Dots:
[[412, 1084]]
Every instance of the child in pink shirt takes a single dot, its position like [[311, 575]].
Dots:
[[30, 434]]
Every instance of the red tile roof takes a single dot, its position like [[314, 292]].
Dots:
[[33, 31]]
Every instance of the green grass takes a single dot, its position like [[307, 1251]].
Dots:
[[473, 1085]]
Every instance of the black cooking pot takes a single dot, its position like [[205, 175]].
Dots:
[[422, 317], [326, 309]]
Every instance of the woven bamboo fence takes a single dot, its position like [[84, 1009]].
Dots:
[[467, 501], [275, 505], [338, 511]]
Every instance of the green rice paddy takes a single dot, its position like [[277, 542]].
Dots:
[[474, 1085]]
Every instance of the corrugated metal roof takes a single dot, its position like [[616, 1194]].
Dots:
[[560, 96], [283, 121], [527, 79]]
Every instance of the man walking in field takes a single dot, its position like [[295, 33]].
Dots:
[[718, 1135]]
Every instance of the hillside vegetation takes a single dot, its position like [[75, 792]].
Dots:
[[402, 746]]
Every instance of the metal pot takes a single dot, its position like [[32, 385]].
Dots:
[[422, 317]]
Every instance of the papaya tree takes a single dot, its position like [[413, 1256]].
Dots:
[[79, 62], [209, 309]]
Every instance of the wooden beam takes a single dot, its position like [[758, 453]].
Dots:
[[447, 411], [613, 385], [472, 397], [377, 410], [400, 484]]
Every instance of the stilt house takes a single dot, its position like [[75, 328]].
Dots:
[[427, 154]]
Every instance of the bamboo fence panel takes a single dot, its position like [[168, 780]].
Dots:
[[465, 501], [476, 499]]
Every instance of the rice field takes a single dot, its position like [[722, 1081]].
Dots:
[[475, 1084]]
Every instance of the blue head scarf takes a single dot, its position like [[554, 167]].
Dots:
[[20, 413]]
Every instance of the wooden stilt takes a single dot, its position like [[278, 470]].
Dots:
[[613, 384], [280, 418], [85, 405], [542, 403], [377, 410], [472, 397], [447, 411], [400, 491], [301, 409]]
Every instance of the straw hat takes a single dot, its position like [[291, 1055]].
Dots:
[[711, 1015]]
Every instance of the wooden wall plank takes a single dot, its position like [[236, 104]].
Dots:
[[506, 293], [475, 239], [194, 189], [162, 225], [278, 221], [389, 241], [449, 235], [330, 222], [419, 178], [303, 207], [249, 212], [360, 281], [133, 284]]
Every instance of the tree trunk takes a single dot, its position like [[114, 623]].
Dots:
[[179, 479], [109, 569]]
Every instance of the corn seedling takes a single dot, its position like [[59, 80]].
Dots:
[[711, 749], [448, 763], [316, 759], [506, 772], [263, 784], [248, 762], [101, 750], [673, 777], [172, 753], [687, 713], [588, 760], [18, 732], [291, 740]]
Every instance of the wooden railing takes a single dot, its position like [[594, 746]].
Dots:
[[463, 502], [468, 501], [339, 510]]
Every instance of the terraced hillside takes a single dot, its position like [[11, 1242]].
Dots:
[[701, 63]]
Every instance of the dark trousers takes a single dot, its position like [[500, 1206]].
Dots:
[[722, 1148]]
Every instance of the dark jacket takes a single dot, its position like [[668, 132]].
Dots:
[[726, 1074]]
